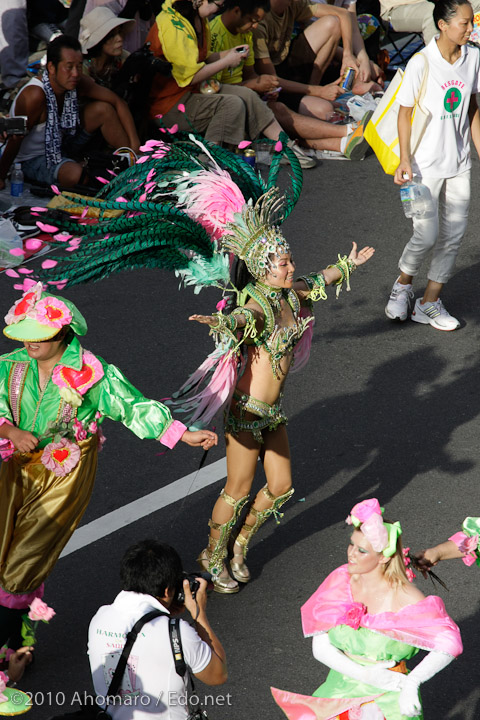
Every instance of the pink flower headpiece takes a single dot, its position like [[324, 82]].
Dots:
[[49, 311], [367, 517]]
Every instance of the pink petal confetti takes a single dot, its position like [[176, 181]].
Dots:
[[84, 213], [159, 117], [25, 271], [162, 130], [33, 244], [150, 175], [173, 129], [159, 154], [181, 107], [244, 144], [278, 146], [142, 197], [71, 249], [102, 180], [17, 252], [47, 228], [62, 284], [12, 273], [142, 159], [55, 189], [62, 237], [149, 186], [121, 199], [111, 172], [47, 264], [39, 209], [26, 285]]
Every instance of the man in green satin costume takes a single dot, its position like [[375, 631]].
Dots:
[[53, 398]]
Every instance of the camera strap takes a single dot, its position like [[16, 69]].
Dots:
[[181, 667], [122, 663]]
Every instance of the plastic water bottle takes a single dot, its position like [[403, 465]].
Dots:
[[16, 181], [416, 199]]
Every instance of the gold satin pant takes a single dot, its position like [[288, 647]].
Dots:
[[39, 512]]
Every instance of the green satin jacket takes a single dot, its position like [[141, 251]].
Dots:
[[113, 396]]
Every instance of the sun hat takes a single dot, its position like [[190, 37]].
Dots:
[[40, 316], [95, 25]]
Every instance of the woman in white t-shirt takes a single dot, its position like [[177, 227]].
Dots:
[[442, 160]]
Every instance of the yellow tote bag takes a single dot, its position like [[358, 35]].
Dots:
[[381, 132]]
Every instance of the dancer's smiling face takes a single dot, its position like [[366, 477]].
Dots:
[[281, 271], [362, 558], [46, 349]]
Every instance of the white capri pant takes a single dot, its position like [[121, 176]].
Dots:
[[442, 230]]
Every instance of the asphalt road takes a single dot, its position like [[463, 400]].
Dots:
[[385, 410]]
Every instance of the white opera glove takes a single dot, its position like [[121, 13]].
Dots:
[[376, 675], [409, 700]]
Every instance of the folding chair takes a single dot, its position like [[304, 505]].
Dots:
[[401, 46]]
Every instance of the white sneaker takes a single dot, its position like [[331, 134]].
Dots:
[[399, 302], [434, 314], [306, 162]]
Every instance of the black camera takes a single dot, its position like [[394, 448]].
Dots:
[[194, 585], [14, 125]]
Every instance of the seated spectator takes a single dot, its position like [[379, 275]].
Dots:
[[101, 37], [151, 576], [299, 65], [13, 42], [143, 12], [232, 28], [56, 133], [414, 16], [229, 113]]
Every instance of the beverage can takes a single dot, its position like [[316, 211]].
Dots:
[[348, 78], [249, 156]]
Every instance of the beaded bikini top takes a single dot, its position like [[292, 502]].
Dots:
[[277, 341]]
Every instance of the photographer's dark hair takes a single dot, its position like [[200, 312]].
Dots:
[[246, 6], [54, 48], [150, 567], [446, 9]]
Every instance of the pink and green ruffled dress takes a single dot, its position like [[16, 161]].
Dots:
[[366, 639]]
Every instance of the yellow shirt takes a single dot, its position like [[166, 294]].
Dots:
[[223, 39]]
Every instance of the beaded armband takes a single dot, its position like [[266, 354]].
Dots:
[[249, 330], [315, 283], [227, 325], [346, 268]]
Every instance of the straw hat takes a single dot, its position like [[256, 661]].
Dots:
[[96, 25]]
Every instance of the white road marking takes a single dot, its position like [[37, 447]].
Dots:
[[146, 505]]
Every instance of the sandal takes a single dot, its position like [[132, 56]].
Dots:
[[222, 583]]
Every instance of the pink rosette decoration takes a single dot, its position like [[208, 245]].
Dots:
[[363, 510], [353, 615], [53, 312], [7, 448], [375, 532], [3, 685], [40, 611], [101, 439], [61, 457], [25, 306], [74, 384], [467, 545], [79, 430]]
